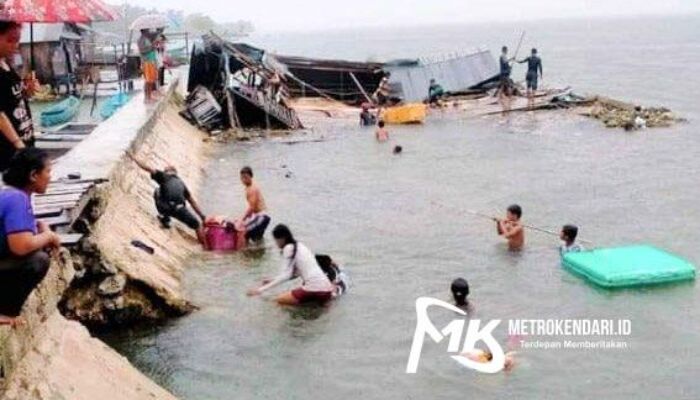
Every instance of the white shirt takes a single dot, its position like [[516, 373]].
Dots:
[[574, 248], [304, 266]]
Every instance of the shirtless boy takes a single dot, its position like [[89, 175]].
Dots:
[[382, 134], [511, 228], [255, 218]]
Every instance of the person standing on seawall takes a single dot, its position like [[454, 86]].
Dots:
[[16, 123]]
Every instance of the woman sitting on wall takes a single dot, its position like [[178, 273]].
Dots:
[[23, 261]]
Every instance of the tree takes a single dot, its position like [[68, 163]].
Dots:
[[199, 23]]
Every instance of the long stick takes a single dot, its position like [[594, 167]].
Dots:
[[357, 82], [517, 49], [492, 218]]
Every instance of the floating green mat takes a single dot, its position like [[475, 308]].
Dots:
[[629, 266]]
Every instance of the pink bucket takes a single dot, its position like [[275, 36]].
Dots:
[[223, 237]]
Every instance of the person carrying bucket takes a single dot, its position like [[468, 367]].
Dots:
[[255, 219]]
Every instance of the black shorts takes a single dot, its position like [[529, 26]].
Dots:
[[531, 81], [256, 226]]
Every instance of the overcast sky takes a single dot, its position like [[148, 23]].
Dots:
[[269, 15]]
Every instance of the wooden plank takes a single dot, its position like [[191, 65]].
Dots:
[[60, 138], [65, 191], [56, 204], [60, 220], [47, 145], [45, 212], [59, 196], [70, 239]]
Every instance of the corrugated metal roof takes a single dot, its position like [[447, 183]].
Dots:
[[454, 74], [47, 33]]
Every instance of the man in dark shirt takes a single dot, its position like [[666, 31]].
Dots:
[[534, 69], [505, 86], [366, 116], [16, 127], [171, 198]]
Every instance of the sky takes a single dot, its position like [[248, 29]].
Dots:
[[276, 15]]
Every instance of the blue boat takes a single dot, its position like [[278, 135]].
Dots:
[[113, 104], [60, 113]]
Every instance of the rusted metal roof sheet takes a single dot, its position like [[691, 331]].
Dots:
[[411, 80]]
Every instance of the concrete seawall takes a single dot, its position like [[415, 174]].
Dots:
[[107, 282], [121, 284]]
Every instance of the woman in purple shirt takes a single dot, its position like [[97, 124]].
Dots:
[[23, 261]]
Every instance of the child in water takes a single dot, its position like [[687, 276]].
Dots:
[[460, 291], [568, 237], [382, 134], [483, 356], [511, 228]]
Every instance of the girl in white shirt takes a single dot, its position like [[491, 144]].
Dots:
[[299, 262]]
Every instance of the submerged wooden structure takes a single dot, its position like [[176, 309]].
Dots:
[[346, 81], [240, 81]]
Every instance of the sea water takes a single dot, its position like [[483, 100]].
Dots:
[[394, 223]]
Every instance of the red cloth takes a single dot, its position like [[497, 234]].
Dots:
[[56, 11]]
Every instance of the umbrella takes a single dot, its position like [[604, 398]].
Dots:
[[52, 11], [149, 21]]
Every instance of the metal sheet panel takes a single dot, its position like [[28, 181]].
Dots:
[[454, 74]]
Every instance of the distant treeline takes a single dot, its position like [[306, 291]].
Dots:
[[179, 22]]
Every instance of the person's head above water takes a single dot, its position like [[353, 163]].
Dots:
[[569, 233], [504, 49], [381, 124], [398, 149], [515, 212], [247, 176], [460, 291], [29, 170]]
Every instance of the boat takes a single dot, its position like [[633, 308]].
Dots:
[[413, 113], [60, 113], [113, 104]]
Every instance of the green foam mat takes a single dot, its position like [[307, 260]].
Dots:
[[629, 266]]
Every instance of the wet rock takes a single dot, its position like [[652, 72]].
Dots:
[[114, 304], [104, 268], [112, 286]]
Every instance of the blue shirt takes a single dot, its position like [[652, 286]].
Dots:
[[16, 216]]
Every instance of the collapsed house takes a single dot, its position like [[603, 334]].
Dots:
[[251, 86], [246, 91]]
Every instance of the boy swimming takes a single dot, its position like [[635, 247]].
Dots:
[[511, 228], [568, 237], [382, 134]]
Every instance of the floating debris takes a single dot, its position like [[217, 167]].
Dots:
[[615, 114]]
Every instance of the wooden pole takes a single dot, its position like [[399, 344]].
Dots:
[[357, 82]]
